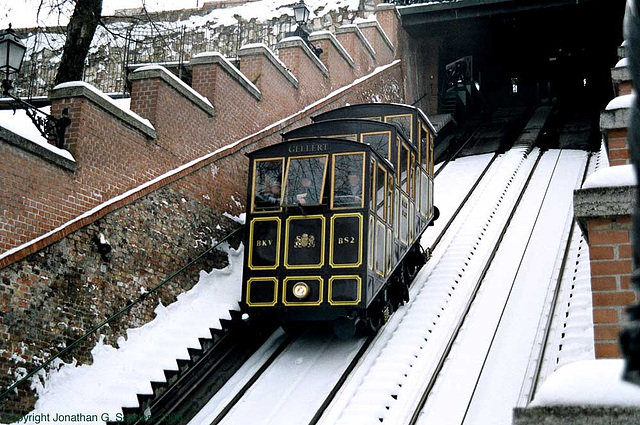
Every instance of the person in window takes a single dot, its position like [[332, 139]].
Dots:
[[305, 194], [350, 193], [269, 196]]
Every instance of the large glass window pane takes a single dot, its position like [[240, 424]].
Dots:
[[348, 181], [305, 180], [424, 198], [431, 159], [390, 200], [403, 167], [412, 178], [267, 182], [379, 142], [424, 152], [372, 173], [403, 123], [381, 189]]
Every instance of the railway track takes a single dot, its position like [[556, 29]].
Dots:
[[454, 277], [226, 406], [426, 326], [492, 358]]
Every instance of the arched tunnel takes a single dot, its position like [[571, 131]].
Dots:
[[524, 51]]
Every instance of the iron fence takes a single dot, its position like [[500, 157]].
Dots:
[[116, 49]]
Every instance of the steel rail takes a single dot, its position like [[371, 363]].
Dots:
[[343, 378], [474, 293], [462, 204], [554, 303], [272, 358], [456, 153]]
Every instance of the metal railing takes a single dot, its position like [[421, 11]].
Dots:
[[113, 51]]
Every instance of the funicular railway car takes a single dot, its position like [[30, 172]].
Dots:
[[334, 218]]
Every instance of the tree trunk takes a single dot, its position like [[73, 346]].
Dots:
[[82, 26]]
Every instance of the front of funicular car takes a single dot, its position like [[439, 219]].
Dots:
[[304, 251]]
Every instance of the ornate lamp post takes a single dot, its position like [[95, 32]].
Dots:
[[301, 16], [12, 52], [300, 13]]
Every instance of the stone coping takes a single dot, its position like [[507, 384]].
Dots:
[[216, 58], [59, 92], [326, 35], [34, 148], [354, 29], [620, 74], [576, 415], [600, 202], [614, 119], [369, 24], [388, 6], [157, 71], [290, 42]]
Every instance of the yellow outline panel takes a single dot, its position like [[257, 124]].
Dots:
[[360, 247], [371, 242], [301, 303], [322, 246], [356, 302], [264, 279], [384, 249], [279, 222]]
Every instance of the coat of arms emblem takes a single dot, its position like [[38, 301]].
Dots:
[[305, 241]]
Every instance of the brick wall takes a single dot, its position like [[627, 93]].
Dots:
[[115, 152], [153, 231], [610, 254], [604, 214], [617, 146]]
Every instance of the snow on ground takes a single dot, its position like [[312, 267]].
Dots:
[[588, 382], [118, 374], [620, 175]]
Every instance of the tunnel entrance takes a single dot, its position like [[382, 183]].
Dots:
[[525, 51]]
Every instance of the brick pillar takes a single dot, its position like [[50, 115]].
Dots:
[[615, 118], [389, 18], [604, 214], [613, 123]]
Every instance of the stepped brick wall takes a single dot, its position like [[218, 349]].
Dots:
[[154, 185], [605, 217]]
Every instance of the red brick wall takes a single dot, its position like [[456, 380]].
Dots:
[[610, 254], [617, 146], [384, 53], [231, 101], [625, 88], [309, 74], [353, 44], [342, 72]]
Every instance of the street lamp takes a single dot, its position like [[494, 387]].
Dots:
[[12, 52], [301, 16], [301, 13]]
